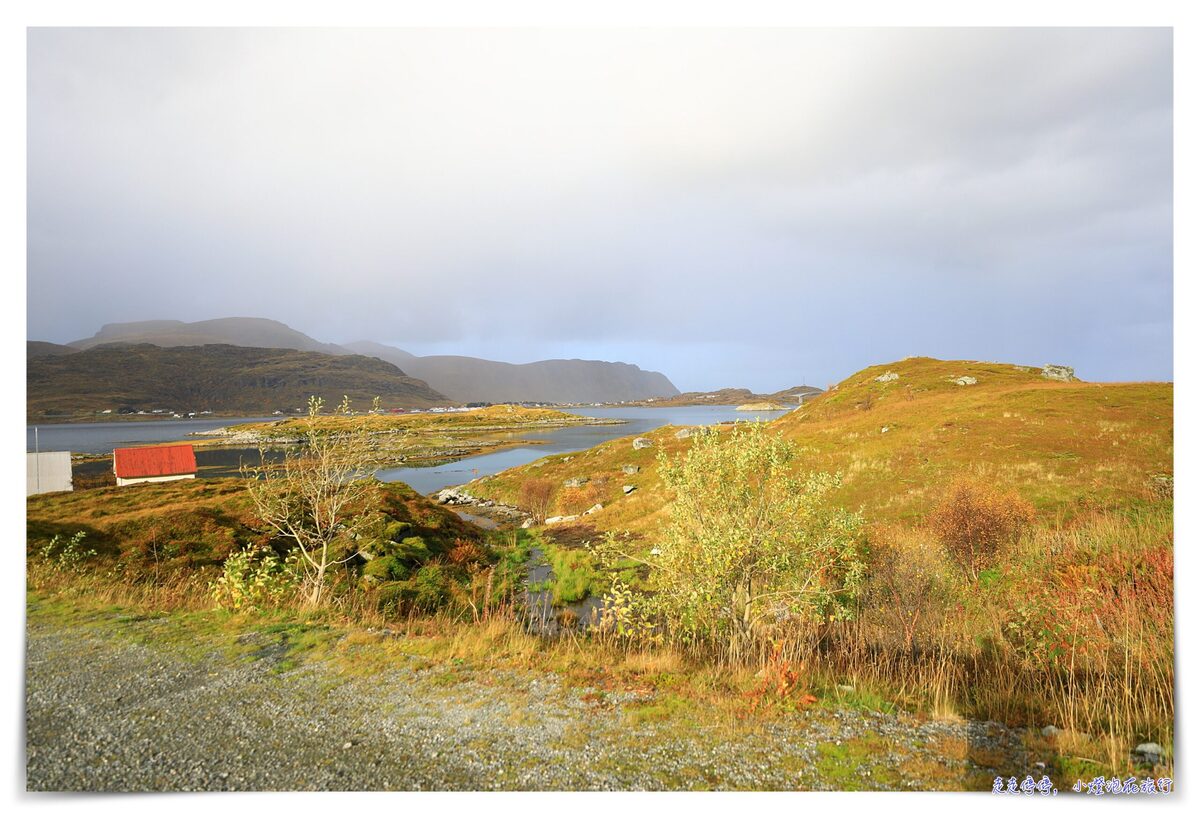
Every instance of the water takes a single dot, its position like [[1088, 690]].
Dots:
[[640, 419], [102, 438]]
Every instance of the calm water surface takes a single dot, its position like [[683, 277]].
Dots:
[[640, 419], [101, 438]]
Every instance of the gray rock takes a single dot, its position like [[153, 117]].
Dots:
[[888, 376], [1058, 372], [628, 489], [684, 433], [1150, 752], [575, 482], [562, 519], [631, 469], [1050, 731], [642, 443], [528, 523], [595, 508], [965, 380]]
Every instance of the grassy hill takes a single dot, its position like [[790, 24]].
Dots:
[[215, 377], [193, 525], [732, 397], [898, 442]]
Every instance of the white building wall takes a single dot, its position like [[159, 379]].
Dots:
[[47, 471], [129, 481]]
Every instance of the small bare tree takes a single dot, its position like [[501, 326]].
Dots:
[[536, 496], [317, 497]]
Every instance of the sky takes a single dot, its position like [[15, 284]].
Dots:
[[732, 207]]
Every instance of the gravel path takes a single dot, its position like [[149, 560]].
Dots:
[[107, 713]]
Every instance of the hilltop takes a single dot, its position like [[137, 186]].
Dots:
[[243, 332], [731, 396], [214, 377], [555, 381], [900, 432]]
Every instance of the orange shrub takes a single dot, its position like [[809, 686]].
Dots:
[[466, 552], [576, 500], [975, 521], [536, 497]]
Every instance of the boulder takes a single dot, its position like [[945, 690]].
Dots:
[[566, 518], [887, 376], [595, 508], [628, 489], [1150, 753], [1050, 731], [631, 469], [642, 443], [1058, 372], [575, 482], [684, 433], [528, 523], [965, 380]]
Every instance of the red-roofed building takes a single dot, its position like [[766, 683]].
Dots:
[[154, 464]]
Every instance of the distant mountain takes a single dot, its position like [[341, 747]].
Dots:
[[40, 349], [215, 377], [463, 379], [243, 332], [556, 381]]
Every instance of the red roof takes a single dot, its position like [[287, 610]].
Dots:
[[154, 461]]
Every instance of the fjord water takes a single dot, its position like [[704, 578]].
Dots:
[[101, 438], [638, 420]]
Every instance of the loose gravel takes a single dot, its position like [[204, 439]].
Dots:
[[104, 713]]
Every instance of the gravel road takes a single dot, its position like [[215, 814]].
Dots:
[[104, 712]]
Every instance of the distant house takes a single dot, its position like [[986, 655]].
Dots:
[[154, 464], [47, 471]]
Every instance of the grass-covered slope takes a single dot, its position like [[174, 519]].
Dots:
[[190, 525], [899, 441]]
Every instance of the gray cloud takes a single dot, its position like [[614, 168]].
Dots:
[[745, 207]]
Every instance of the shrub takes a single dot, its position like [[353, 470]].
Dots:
[[750, 545], [976, 521], [536, 496], [255, 578], [907, 583], [466, 552], [411, 550], [430, 587], [66, 554], [578, 499], [384, 569]]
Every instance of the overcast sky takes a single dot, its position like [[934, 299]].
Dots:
[[730, 207]]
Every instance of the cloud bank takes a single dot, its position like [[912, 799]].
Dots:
[[732, 207]]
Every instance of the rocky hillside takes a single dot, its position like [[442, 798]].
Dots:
[[555, 381], [214, 377]]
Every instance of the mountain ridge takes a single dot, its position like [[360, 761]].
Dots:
[[461, 378], [551, 381], [217, 377]]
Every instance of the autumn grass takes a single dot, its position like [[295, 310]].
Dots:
[[488, 418], [1064, 447]]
